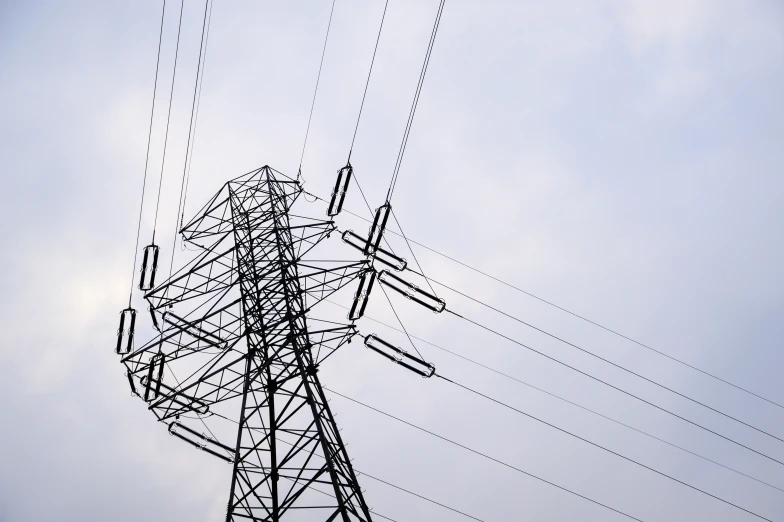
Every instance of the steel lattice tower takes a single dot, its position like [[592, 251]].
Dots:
[[236, 322]]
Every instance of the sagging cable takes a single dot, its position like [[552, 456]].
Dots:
[[411, 291], [400, 356]]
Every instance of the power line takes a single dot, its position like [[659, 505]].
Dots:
[[414, 104], [560, 339], [315, 91], [418, 495], [399, 321], [168, 119], [581, 317], [555, 396], [614, 387], [484, 455], [191, 126], [367, 83], [200, 81], [580, 371], [147, 155], [317, 490], [603, 448], [610, 330], [360, 472], [400, 227]]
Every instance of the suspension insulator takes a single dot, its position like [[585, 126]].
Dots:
[[339, 194], [131, 384], [366, 281], [194, 330], [399, 356], [383, 256], [125, 331], [154, 318], [149, 267], [411, 291], [377, 229], [152, 385], [200, 440]]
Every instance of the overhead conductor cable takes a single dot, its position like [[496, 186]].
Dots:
[[562, 399], [127, 326]]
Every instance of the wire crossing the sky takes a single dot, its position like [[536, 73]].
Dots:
[[418, 495], [367, 83], [521, 412], [600, 380], [147, 155], [615, 387], [582, 318], [200, 82], [180, 203], [594, 323], [168, 119], [414, 104], [555, 396], [484, 455], [560, 339], [366, 474], [315, 91]]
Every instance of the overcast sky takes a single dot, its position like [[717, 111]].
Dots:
[[621, 159]]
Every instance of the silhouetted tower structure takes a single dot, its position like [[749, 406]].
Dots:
[[236, 322]]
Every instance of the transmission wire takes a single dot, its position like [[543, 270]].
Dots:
[[549, 303], [331, 495], [190, 131], [604, 359], [168, 119], [367, 83], [488, 457], [613, 386], [610, 330], [147, 155], [360, 472], [524, 383], [399, 321], [196, 119], [315, 91], [418, 495], [521, 412], [414, 104], [427, 279]]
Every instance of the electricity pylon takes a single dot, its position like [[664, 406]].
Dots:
[[235, 325]]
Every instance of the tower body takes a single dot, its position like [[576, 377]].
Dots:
[[237, 340], [285, 419]]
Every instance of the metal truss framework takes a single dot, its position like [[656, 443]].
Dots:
[[237, 322]]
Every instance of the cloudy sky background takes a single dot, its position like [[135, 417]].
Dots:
[[621, 159]]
